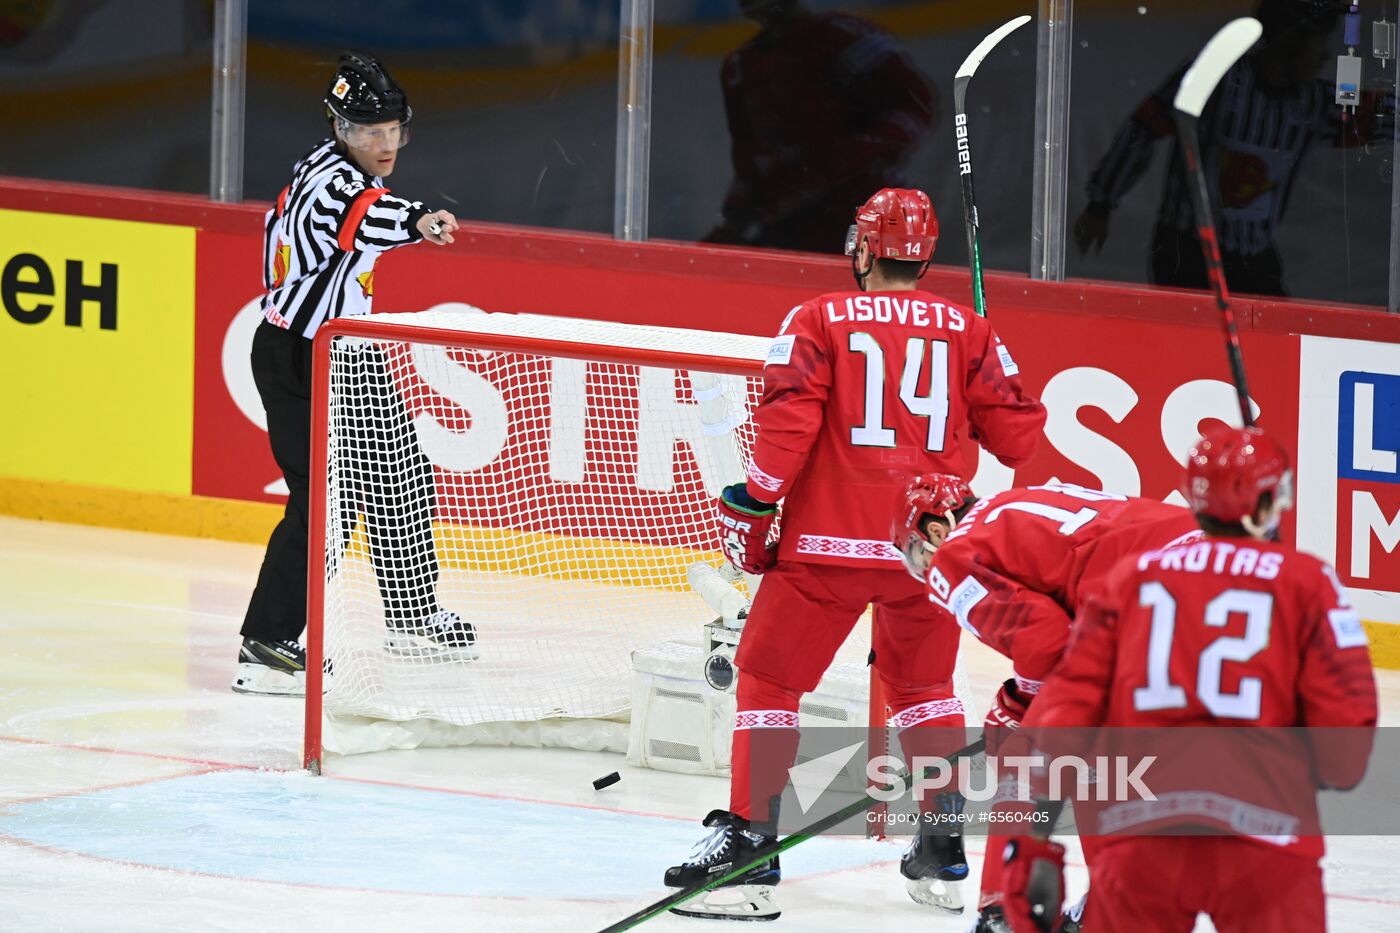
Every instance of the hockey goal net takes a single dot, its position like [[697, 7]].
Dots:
[[545, 481]]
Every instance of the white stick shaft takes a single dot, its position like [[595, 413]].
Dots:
[[719, 422]]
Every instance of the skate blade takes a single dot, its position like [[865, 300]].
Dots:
[[262, 681], [419, 648], [737, 902], [944, 895]]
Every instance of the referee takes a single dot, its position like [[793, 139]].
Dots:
[[321, 241]]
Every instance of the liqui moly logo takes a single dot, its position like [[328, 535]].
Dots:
[[1368, 480]]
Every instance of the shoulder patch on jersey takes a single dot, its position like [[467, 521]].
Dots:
[[1008, 365], [966, 595], [1347, 628], [780, 350]]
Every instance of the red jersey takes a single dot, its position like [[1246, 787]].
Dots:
[[1225, 632], [1014, 571], [863, 390]]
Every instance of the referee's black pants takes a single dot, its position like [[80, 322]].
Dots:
[[1177, 261], [395, 492]]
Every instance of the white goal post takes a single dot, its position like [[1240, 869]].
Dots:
[[547, 480]]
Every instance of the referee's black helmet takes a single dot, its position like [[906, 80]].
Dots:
[[363, 92]]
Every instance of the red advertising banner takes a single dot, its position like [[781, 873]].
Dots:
[[231, 459], [1128, 373], [1126, 395], [1126, 398]]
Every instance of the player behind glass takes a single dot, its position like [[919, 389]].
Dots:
[[860, 387], [1013, 569], [1233, 630]]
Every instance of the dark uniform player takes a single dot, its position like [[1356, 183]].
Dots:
[[1255, 133], [860, 388], [322, 238], [822, 108], [1233, 630]]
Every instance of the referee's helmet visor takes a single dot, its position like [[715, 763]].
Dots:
[[381, 136]]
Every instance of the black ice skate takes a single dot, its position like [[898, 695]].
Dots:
[[935, 865], [992, 920], [442, 636], [1072, 917], [730, 843], [271, 668]]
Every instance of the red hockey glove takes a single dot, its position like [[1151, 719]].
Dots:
[[1033, 879], [743, 529], [1008, 709]]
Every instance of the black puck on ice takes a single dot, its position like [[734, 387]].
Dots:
[[607, 780]]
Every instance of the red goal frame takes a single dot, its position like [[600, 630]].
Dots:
[[371, 328]]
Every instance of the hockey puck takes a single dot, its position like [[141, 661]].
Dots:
[[607, 780]]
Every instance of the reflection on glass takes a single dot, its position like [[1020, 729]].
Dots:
[[514, 101], [773, 120], [108, 91], [823, 108], [1274, 107]]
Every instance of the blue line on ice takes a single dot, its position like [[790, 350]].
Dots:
[[289, 827]]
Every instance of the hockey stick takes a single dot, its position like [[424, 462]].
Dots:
[[766, 851], [1219, 56], [960, 82], [718, 423]]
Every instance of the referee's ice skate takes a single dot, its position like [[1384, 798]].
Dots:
[[441, 636], [271, 668], [730, 842]]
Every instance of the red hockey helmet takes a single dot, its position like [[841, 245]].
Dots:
[[936, 494], [898, 223], [1228, 469]]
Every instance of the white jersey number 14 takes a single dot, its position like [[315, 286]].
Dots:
[[934, 406]]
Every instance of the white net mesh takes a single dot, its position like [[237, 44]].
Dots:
[[552, 504]]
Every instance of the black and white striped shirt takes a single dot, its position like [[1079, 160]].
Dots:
[[1252, 143], [322, 238]]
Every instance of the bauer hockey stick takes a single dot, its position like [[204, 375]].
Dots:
[[960, 83], [1219, 56], [766, 851]]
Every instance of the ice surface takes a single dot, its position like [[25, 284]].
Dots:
[[137, 793]]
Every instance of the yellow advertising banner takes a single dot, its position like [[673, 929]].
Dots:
[[96, 351]]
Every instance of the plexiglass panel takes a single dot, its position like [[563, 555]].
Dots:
[[113, 92], [1301, 186], [514, 101], [774, 119]]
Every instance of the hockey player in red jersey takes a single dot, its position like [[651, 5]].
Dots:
[[1237, 630], [1014, 568], [860, 388]]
